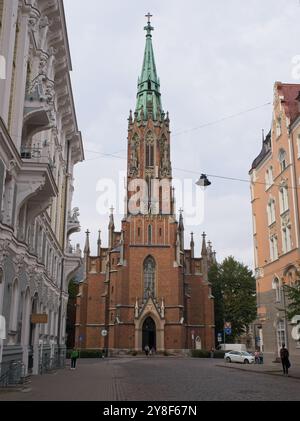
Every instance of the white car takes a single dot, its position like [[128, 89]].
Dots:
[[239, 357]]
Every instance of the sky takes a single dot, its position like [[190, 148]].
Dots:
[[217, 62]]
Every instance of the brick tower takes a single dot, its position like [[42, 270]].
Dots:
[[145, 288]]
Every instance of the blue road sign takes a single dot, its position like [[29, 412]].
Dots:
[[228, 331]]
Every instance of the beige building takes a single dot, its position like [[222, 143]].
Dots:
[[39, 147], [275, 190]]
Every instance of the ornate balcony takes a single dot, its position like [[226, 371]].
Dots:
[[73, 222]]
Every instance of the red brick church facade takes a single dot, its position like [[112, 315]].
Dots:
[[145, 288]]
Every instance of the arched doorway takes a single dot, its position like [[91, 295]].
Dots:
[[149, 333]]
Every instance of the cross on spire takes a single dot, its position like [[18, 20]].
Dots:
[[149, 28], [149, 16]]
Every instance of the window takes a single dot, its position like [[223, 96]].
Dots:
[[160, 232], [271, 212], [269, 178], [278, 127], [286, 239], [149, 156], [139, 232], [282, 160], [273, 248], [284, 199], [149, 277], [149, 150], [14, 307], [298, 145], [150, 234], [281, 337], [1, 289]]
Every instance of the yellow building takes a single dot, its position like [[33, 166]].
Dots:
[[275, 191]]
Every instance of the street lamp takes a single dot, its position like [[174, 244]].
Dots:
[[203, 181]]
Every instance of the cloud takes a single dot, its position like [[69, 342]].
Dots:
[[214, 59]]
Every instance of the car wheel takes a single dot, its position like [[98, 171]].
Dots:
[[228, 360], [246, 361]]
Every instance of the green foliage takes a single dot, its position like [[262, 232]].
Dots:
[[198, 353], [234, 289], [219, 354], [293, 295], [73, 289]]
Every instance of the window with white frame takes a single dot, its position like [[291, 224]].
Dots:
[[278, 127], [284, 199], [271, 212], [277, 289], [269, 177], [281, 336], [273, 248], [286, 239], [298, 145], [282, 160], [14, 306]]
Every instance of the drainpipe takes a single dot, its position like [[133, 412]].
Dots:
[[297, 227], [64, 248]]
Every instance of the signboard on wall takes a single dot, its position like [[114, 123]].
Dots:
[[39, 319]]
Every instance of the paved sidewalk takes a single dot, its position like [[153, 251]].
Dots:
[[274, 369]]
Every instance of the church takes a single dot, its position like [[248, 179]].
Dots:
[[146, 288]]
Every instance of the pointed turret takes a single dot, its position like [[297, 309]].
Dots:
[[204, 259], [87, 248], [87, 251], [204, 248], [111, 229], [181, 230], [148, 96], [99, 244], [192, 244]]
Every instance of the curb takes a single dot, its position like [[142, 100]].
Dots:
[[270, 373]]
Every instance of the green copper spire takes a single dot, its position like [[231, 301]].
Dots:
[[148, 97]]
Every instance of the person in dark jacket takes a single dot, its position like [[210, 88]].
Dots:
[[284, 356]]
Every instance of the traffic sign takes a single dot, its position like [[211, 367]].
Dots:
[[228, 331], [80, 338], [227, 325], [220, 337]]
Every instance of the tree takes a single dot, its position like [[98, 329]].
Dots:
[[293, 294], [234, 290]]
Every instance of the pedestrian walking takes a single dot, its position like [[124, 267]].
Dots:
[[147, 350], [212, 353], [74, 356], [284, 356], [257, 357]]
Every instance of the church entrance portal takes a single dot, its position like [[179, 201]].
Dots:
[[149, 333]]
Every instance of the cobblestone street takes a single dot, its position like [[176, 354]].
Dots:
[[156, 379]]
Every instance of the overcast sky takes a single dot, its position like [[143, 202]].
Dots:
[[215, 59]]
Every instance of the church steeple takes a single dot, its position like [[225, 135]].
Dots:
[[148, 96]]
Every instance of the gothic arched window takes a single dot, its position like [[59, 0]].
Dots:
[[149, 277], [149, 234], [149, 150]]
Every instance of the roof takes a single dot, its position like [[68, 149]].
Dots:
[[266, 148], [291, 96]]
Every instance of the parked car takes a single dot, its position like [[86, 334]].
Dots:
[[239, 357]]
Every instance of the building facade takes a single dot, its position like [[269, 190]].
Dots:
[[275, 189], [145, 288], [39, 147]]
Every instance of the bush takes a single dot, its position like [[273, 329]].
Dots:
[[219, 354], [199, 353]]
